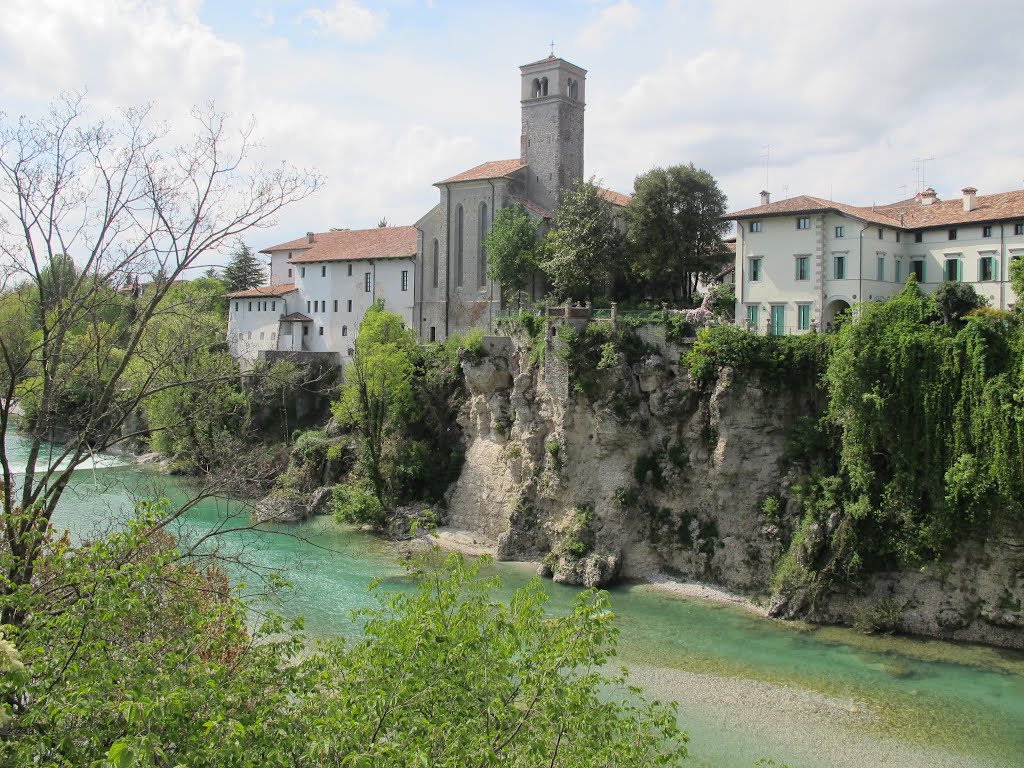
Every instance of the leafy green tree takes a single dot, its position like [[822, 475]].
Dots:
[[954, 300], [675, 228], [512, 249], [377, 396], [580, 252], [244, 271], [1017, 280]]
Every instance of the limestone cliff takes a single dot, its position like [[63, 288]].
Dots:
[[656, 475]]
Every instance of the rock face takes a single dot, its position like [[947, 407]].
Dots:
[[658, 475]]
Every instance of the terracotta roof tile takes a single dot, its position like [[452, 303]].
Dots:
[[613, 197], [262, 291], [495, 169], [538, 210], [296, 317], [352, 244], [808, 204]]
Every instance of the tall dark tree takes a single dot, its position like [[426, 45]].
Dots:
[[676, 228], [244, 271], [512, 249], [580, 251]]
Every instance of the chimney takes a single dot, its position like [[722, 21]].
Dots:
[[970, 199], [765, 197], [310, 237], [928, 196]]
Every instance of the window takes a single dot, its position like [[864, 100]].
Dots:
[[459, 243], [250, 306], [302, 272], [323, 271], [481, 262], [350, 270], [839, 267], [755, 270], [897, 237], [881, 234], [366, 282], [755, 226], [273, 335], [803, 317], [1018, 228], [262, 335], [881, 268], [952, 270], [350, 305], [433, 332], [919, 237], [986, 268], [305, 330], [316, 306], [289, 272], [803, 222], [753, 316], [309, 306], [841, 231], [952, 234], [917, 269], [320, 331], [899, 270], [344, 330], [405, 279], [437, 260], [273, 306], [778, 327], [236, 306], [803, 267], [987, 231]]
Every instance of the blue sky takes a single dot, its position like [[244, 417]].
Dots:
[[385, 98]]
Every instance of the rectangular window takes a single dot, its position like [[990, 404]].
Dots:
[[881, 268], [803, 222], [840, 231], [1018, 229], [803, 267], [952, 234], [917, 269], [753, 316], [778, 319], [366, 282], [289, 272], [236, 306], [803, 317], [986, 268], [987, 231], [302, 271], [350, 270], [919, 237], [881, 234], [335, 305], [899, 270], [897, 237], [320, 331], [350, 305], [839, 267], [755, 226], [305, 330], [250, 306], [952, 271], [433, 333], [405, 280], [273, 306], [323, 271], [755, 270], [309, 306]]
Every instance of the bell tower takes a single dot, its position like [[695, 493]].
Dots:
[[553, 100]]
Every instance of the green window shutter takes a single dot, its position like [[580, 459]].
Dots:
[[960, 269]]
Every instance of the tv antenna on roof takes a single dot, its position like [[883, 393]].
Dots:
[[918, 166]]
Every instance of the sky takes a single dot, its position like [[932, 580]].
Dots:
[[839, 98]]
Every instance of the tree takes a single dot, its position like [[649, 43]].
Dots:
[[580, 251], [378, 394], [954, 300], [119, 200], [244, 272], [1017, 280], [675, 228], [512, 248]]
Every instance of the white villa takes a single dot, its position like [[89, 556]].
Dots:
[[320, 287], [802, 261]]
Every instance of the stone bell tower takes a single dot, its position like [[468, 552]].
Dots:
[[553, 100]]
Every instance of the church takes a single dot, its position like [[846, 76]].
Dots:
[[434, 274]]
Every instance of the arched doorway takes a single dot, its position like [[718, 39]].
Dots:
[[836, 312]]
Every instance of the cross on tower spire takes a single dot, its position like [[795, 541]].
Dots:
[[552, 48]]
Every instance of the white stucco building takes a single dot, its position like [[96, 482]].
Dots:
[[802, 261], [320, 287]]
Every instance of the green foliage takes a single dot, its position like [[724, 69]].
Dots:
[[595, 349], [775, 360], [1016, 272], [883, 616], [357, 504], [955, 300], [723, 301], [676, 224], [771, 508], [580, 252], [512, 248], [244, 271], [627, 497], [554, 450], [138, 658]]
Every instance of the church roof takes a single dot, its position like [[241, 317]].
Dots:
[[296, 317], [551, 60], [533, 208], [352, 245], [495, 169], [262, 291], [613, 197]]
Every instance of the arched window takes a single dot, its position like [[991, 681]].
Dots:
[[481, 268], [543, 86], [344, 330], [437, 258], [459, 243], [536, 88], [574, 89]]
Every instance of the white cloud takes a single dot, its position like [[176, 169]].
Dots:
[[610, 20], [348, 20]]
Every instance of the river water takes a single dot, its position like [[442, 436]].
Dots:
[[748, 687]]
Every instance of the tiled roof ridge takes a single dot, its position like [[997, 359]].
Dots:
[[352, 244], [492, 169]]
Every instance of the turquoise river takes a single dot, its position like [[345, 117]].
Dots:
[[748, 687]]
